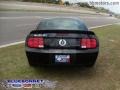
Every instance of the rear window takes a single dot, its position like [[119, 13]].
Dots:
[[61, 23]]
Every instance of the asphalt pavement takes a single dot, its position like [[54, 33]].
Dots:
[[14, 26]]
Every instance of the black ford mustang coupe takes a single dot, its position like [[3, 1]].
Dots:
[[61, 41]]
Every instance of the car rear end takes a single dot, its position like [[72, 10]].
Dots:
[[62, 47]]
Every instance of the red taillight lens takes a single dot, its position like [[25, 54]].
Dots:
[[88, 43], [35, 42]]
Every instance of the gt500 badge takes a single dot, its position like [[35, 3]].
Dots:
[[62, 42]]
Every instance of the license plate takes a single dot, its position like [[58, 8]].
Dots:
[[62, 58]]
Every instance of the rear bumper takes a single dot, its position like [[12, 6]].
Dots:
[[47, 57]]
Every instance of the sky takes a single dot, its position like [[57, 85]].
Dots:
[[113, 8]]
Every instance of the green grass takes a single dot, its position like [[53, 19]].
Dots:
[[104, 76]]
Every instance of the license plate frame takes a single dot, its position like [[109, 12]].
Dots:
[[62, 58]]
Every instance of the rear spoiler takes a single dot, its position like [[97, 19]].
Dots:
[[64, 31]]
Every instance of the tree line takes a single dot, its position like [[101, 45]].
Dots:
[[44, 1]]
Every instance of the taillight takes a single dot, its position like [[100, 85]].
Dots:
[[88, 43], [35, 42]]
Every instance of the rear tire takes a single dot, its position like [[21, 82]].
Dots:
[[31, 63]]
